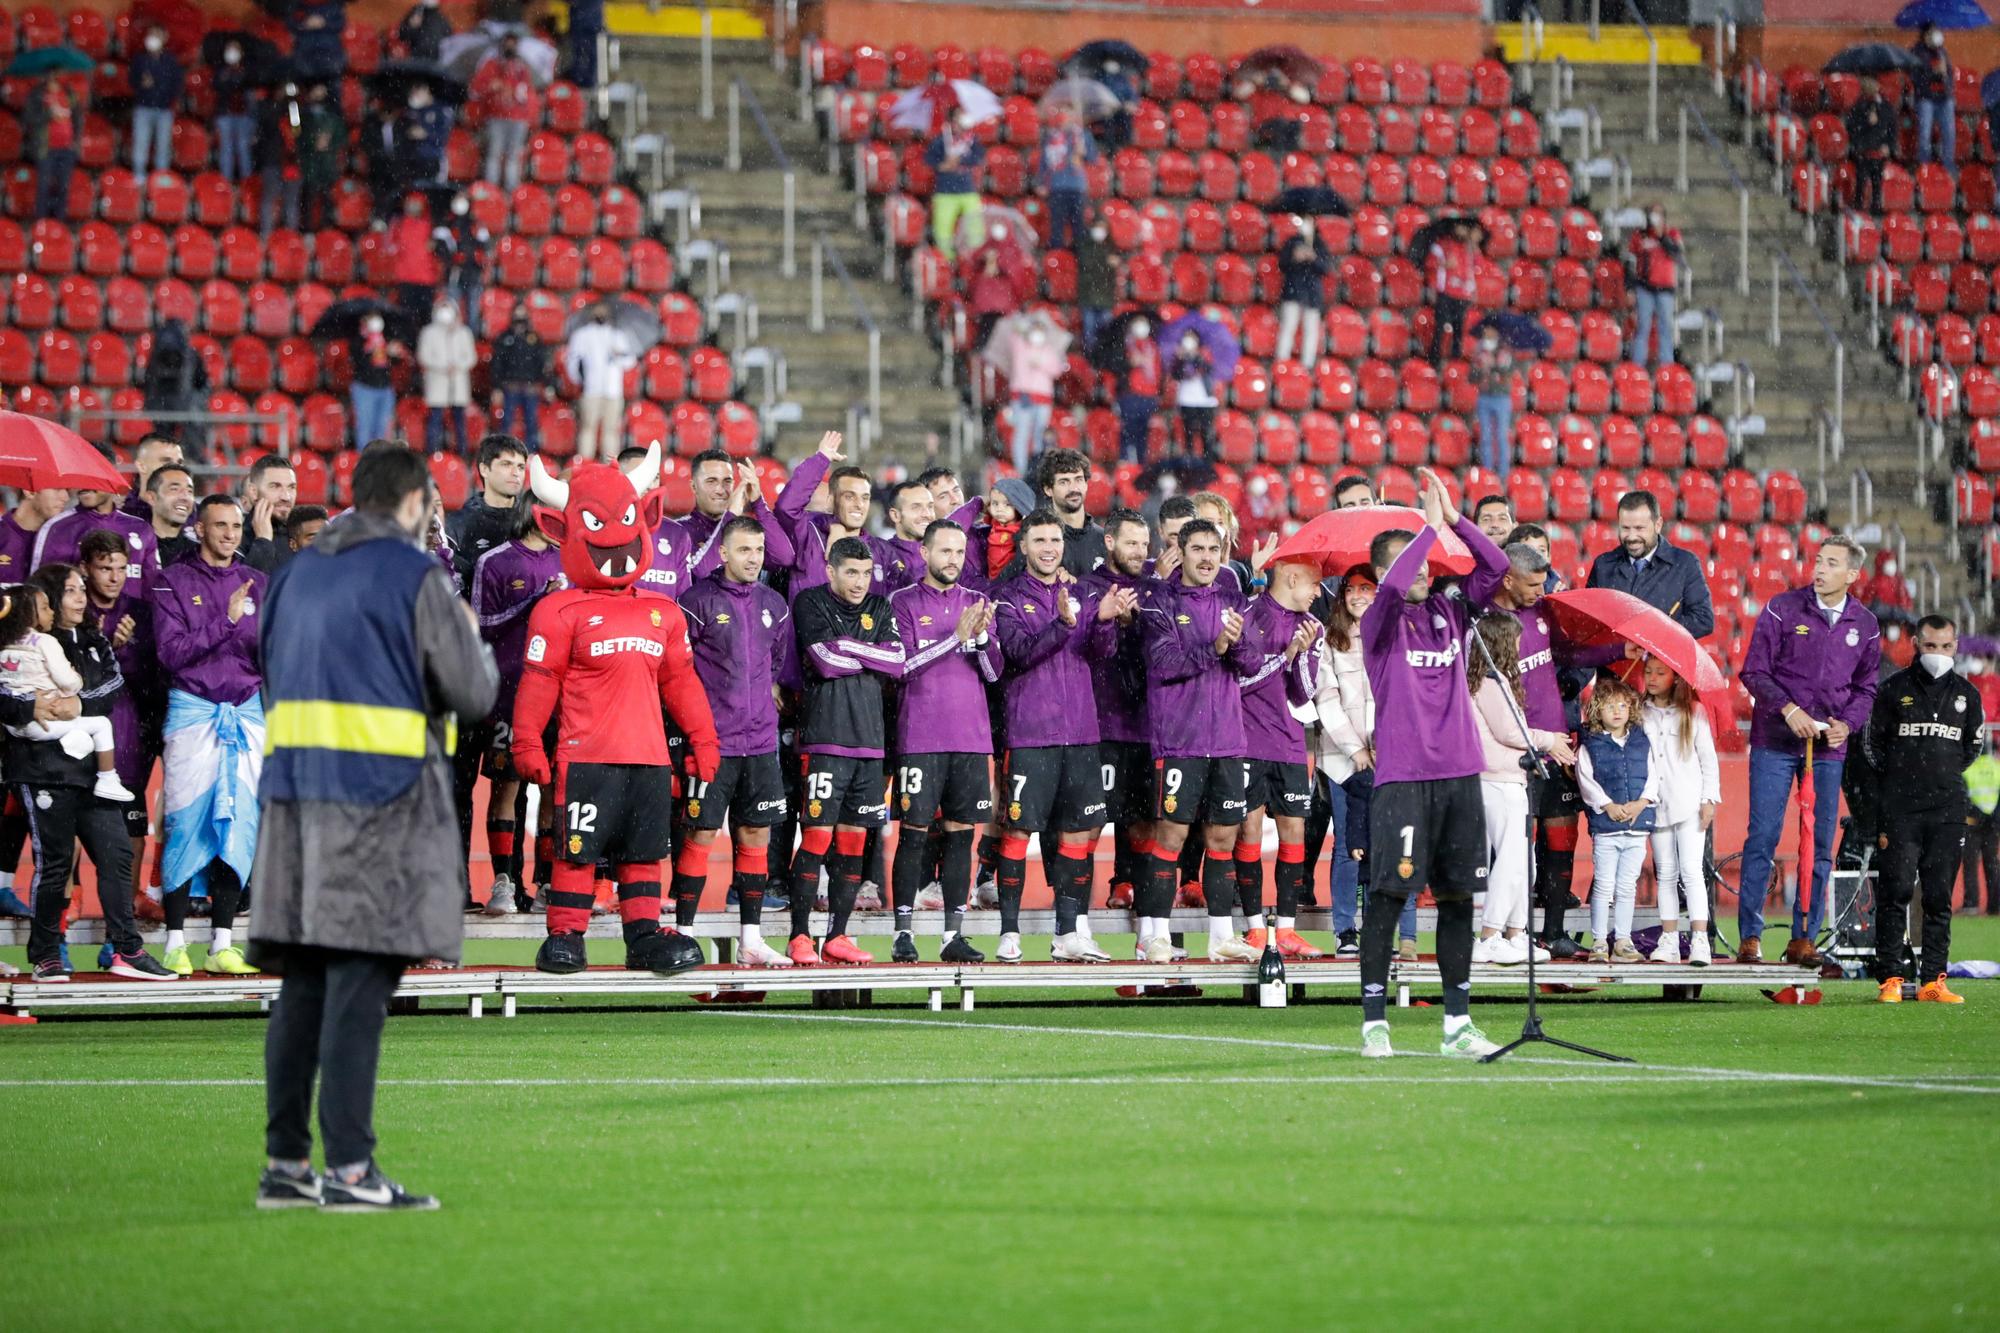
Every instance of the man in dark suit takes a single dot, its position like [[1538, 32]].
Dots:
[[1658, 574]]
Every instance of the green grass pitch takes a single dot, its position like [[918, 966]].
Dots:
[[1037, 1166]]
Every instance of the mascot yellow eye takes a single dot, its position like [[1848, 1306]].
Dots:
[[631, 515], [591, 522]]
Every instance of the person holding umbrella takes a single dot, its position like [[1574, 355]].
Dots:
[[1192, 372], [1871, 137], [235, 113], [1812, 671], [504, 90], [421, 133], [52, 125], [319, 39], [423, 30], [280, 124], [1931, 90], [1303, 262], [955, 155], [1059, 176]]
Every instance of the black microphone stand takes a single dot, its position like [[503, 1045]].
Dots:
[[1533, 761]]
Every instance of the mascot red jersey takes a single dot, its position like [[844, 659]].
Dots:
[[608, 658]]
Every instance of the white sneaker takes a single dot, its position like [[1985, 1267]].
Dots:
[[930, 898], [1469, 1043], [870, 897], [1541, 954], [1010, 948], [1175, 953], [756, 953], [1375, 1041], [500, 900], [109, 788], [1510, 952], [986, 893], [1698, 954], [1668, 950], [1076, 947], [1234, 949], [1482, 948], [1159, 949]]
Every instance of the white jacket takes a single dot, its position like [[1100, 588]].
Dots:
[[597, 358], [1689, 775], [1346, 709], [446, 354]]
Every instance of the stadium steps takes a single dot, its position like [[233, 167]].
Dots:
[[740, 210], [1795, 379]]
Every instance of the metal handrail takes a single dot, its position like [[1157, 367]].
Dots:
[[1531, 44], [1781, 263], [823, 253], [1725, 36], [739, 94], [1714, 147], [77, 413], [1652, 66]]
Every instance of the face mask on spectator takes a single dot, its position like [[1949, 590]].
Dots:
[[373, 324], [1140, 328], [1936, 39], [446, 314], [1098, 233], [461, 206], [1658, 220], [420, 98], [155, 43], [232, 56], [1491, 343], [1935, 663], [1190, 344]]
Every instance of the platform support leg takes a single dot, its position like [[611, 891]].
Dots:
[[478, 1007], [507, 1006], [964, 1000], [937, 1001], [1402, 995]]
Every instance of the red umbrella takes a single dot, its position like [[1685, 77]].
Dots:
[[1339, 540], [35, 453], [1807, 803], [1594, 616]]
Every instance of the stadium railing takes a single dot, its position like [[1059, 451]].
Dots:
[[864, 420]]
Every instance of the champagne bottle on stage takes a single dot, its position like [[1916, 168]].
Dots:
[[1271, 974]]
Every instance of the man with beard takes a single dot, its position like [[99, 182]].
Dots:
[[170, 498], [1119, 684], [1064, 478]]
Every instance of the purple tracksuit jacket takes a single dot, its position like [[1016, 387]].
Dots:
[[1197, 695], [1119, 680], [61, 540], [1270, 731], [200, 651], [943, 709], [1050, 698], [738, 632], [136, 710], [1796, 657], [507, 581]]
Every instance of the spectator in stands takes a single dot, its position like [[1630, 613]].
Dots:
[[1493, 376], [378, 150], [303, 527], [319, 48], [157, 83], [1115, 131], [1302, 267], [462, 246], [504, 91], [422, 131], [417, 269], [520, 379], [446, 354], [993, 277], [1646, 565], [956, 155], [1871, 137], [1139, 380], [279, 122], [235, 114], [1654, 255], [372, 395], [1982, 831], [1812, 667], [423, 30], [1031, 377], [1273, 106], [597, 357], [1059, 176], [1352, 492], [586, 25], [1192, 373], [1931, 90], [1491, 516], [270, 493], [1886, 592], [1096, 279], [52, 124], [322, 137], [170, 495], [1453, 287], [175, 380]]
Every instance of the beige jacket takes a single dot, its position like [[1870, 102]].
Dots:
[[446, 354], [1346, 709]]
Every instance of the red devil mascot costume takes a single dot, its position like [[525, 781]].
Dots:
[[609, 658]]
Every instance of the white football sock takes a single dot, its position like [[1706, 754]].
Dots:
[[176, 939], [1287, 922], [1220, 928], [1255, 922], [1454, 1022], [220, 939]]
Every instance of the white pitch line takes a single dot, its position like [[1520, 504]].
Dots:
[[997, 1081], [1700, 1073]]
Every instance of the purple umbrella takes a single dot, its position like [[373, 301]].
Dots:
[[1223, 349]]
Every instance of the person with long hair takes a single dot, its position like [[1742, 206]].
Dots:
[[1503, 787], [1690, 792]]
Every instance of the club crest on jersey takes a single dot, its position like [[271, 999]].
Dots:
[[813, 808], [575, 844], [1438, 622], [1406, 868], [1014, 810], [1169, 804], [767, 617], [656, 619], [1958, 704], [867, 621], [906, 803], [694, 809], [1853, 638]]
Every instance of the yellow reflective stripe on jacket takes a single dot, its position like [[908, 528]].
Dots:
[[325, 724]]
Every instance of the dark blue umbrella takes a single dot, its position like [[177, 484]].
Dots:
[[44, 59], [1223, 349], [1092, 57], [1520, 332], [1310, 201], [1989, 89], [1874, 58], [1954, 15]]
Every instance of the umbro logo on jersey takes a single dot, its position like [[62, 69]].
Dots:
[[595, 621]]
